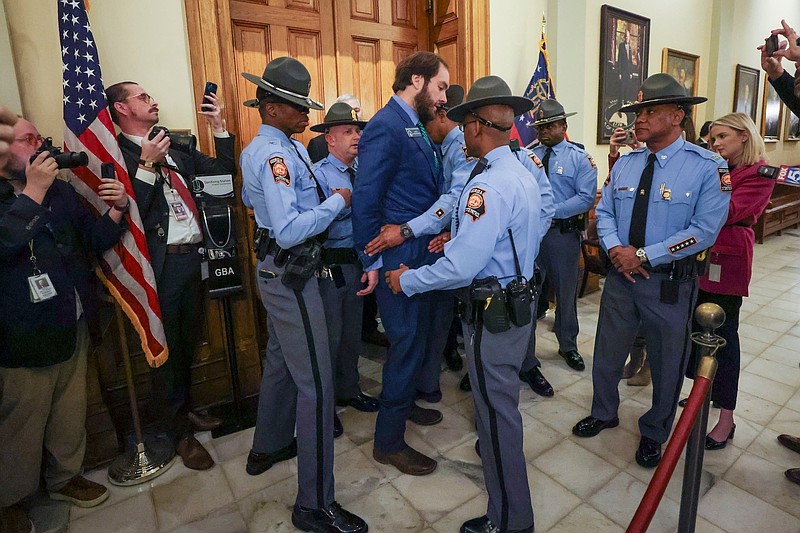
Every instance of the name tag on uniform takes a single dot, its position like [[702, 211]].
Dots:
[[41, 288], [560, 170], [413, 132], [179, 210]]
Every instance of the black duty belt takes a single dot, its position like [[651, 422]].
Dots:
[[182, 248], [339, 256], [660, 269]]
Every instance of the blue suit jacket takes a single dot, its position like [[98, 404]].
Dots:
[[397, 181]]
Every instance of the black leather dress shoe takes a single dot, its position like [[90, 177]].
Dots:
[[482, 524], [332, 519], [453, 360], [573, 359], [424, 417], [258, 463], [361, 402], [537, 382], [338, 429], [649, 453], [790, 441], [712, 444], [793, 475], [465, 385], [591, 426]]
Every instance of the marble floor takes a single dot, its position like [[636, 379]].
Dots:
[[577, 484]]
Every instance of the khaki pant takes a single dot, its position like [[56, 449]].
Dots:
[[42, 406]]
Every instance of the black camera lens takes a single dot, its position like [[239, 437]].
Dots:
[[72, 159]]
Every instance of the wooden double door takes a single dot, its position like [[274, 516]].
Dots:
[[348, 46]]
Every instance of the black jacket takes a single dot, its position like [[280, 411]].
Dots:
[[64, 234], [784, 86], [153, 206]]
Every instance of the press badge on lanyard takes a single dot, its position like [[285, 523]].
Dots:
[[178, 207], [39, 284], [714, 272]]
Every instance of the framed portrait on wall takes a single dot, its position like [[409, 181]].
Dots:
[[792, 128], [772, 109], [682, 66], [745, 91], [624, 49]]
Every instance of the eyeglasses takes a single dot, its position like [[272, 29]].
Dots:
[[144, 97], [31, 138], [487, 123], [464, 125]]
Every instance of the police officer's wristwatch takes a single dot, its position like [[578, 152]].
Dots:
[[642, 255], [405, 231]]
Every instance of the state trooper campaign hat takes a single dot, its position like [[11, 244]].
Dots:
[[454, 95], [661, 89], [489, 90], [550, 111], [340, 114], [286, 78]]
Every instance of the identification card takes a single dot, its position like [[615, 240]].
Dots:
[[41, 288], [714, 272], [179, 210], [413, 132]]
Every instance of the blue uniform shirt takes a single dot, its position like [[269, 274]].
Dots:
[[534, 165], [688, 205], [332, 173], [276, 182], [573, 176], [456, 167], [501, 197]]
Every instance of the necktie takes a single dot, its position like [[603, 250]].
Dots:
[[430, 143], [546, 161], [639, 215], [352, 174], [176, 182]]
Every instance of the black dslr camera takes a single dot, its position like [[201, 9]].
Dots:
[[184, 143], [63, 159]]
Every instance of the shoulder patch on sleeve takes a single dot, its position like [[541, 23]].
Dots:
[[724, 179], [279, 170], [535, 159], [591, 161], [675, 248], [476, 203]]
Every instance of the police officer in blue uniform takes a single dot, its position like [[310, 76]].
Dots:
[[573, 176], [494, 245], [400, 177], [293, 214], [341, 280], [662, 207]]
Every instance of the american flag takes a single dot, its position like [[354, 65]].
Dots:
[[125, 269]]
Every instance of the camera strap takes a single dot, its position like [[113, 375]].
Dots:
[[516, 258], [320, 192]]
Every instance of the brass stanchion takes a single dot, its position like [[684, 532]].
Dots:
[[147, 459], [710, 317]]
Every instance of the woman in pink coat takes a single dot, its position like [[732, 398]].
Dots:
[[735, 138]]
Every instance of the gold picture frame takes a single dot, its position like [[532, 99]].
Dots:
[[771, 113], [682, 66]]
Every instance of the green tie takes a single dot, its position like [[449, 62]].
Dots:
[[428, 140]]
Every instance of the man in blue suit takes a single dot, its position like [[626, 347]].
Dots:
[[400, 177]]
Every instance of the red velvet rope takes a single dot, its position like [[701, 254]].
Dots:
[[658, 484]]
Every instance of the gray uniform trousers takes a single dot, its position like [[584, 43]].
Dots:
[[343, 312], [558, 259], [43, 405], [297, 385], [666, 328], [443, 312], [494, 361]]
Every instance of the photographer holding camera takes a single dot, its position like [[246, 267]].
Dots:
[[46, 237], [162, 172], [772, 52]]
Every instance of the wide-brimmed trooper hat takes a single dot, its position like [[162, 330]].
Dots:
[[550, 111], [286, 78], [661, 89], [454, 95], [489, 90], [340, 114]]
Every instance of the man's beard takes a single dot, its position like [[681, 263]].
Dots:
[[424, 104], [15, 168]]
